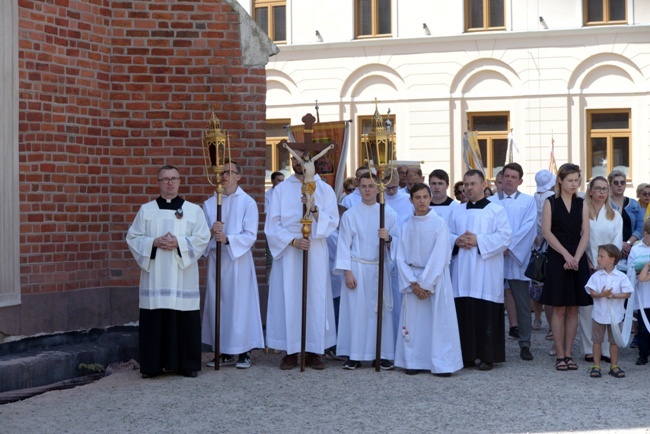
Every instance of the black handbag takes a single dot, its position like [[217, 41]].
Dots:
[[536, 269]]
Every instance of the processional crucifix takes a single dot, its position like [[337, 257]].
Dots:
[[308, 190]]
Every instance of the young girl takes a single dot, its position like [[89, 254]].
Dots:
[[609, 288]]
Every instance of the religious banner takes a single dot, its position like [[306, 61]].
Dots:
[[472, 152], [327, 166]]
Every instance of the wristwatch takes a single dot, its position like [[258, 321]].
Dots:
[[227, 241], [314, 210]]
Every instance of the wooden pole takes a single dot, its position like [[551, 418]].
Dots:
[[306, 230], [380, 285], [217, 289]]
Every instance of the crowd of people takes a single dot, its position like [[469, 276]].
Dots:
[[452, 268]]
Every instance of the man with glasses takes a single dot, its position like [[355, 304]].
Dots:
[[241, 322], [166, 239]]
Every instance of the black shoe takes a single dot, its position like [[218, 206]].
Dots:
[[642, 360], [485, 366], [444, 374], [525, 354], [189, 374], [514, 332], [605, 359], [384, 364], [468, 364], [411, 371], [155, 374], [352, 365]]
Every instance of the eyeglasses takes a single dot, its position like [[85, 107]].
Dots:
[[403, 173], [174, 180], [600, 189], [349, 190], [618, 182], [645, 193]]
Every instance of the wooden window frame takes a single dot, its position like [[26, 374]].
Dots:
[[374, 19], [274, 142], [486, 17], [609, 134], [489, 136], [606, 21], [269, 5]]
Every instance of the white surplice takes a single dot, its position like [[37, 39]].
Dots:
[[170, 281], [284, 314], [522, 215], [358, 251], [241, 322], [478, 272], [400, 202], [444, 211], [429, 338]]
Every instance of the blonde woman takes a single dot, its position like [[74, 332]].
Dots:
[[605, 227]]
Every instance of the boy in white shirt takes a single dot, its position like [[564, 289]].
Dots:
[[609, 289]]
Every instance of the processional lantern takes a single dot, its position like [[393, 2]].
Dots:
[[379, 151], [216, 147], [379, 142]]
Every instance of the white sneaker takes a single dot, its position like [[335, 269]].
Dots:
[[244, 361]]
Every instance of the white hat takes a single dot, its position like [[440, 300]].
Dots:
[[545, 180]]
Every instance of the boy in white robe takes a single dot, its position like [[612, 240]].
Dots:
[[166, 239], [357, 258], [429, 338], [283, 233], [240, 322], [439, 184], [480, 233]]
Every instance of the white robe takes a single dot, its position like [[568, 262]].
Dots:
[[522, 214], [400, 202], [241, 322], [169, 281], [429, 338], [445, 211], [284, 314], [351, 199], [474, 274], [358, 250]]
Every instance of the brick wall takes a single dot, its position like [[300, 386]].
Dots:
[[110, 91]]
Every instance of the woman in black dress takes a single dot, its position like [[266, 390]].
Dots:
[[565, 226]]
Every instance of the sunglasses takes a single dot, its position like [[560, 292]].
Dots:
[[618, 183], [349, 190]]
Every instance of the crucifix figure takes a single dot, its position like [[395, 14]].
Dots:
[[307, 162], [309, 170]]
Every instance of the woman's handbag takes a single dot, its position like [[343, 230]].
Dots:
[[536, 269]]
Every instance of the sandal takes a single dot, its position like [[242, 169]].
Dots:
[[570, 364], [616, 372], [594, 372], [560, 365], [549, 335]]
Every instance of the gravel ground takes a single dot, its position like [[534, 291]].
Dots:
[[516, 396]]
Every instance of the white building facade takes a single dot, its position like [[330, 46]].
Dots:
[[572, 72]]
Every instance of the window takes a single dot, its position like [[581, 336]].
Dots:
[[277, 157], [271, 16], [366, 123], [485, 15], [608, 142], [599, 12], [372, 18], [492, 136]]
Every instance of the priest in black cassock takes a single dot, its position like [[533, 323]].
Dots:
[[167, 238], [480, 233]]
